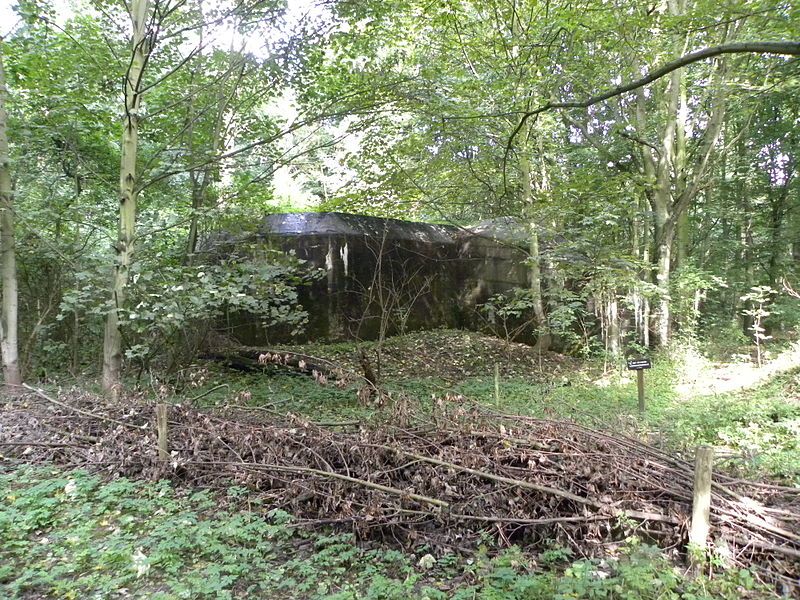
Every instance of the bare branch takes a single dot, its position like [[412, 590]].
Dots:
[[789, 289]]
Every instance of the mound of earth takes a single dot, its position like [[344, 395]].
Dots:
[[447, 354]]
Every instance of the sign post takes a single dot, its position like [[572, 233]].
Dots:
[[639, 365], [496, 384]]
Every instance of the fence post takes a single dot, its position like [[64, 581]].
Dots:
[[161, 424], [701, 504]]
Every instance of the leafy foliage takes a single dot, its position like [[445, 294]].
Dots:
[[407, 109], [72, 535], [173, 308]]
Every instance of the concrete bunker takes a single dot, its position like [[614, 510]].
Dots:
[[389, 276]]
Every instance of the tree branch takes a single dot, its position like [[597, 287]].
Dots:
[[789, 289], [783, 47]]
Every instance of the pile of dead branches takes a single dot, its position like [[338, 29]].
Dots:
[[524, 481]]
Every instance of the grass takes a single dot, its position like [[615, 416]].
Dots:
[[757, 429], [284, 393], [71, 535]]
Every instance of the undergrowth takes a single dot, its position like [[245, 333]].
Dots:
[[756, 430], [756, 427], [72, 535]]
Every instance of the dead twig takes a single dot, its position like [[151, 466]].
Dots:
[[330, 474], [85, 413]]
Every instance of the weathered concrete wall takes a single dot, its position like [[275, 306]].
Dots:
[[392, 274], [494, 254]]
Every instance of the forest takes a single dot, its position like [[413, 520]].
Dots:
[[399, 299]]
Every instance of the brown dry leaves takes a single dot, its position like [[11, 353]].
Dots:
[[521, 480]]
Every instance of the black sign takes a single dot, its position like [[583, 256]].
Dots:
[[637, 364]]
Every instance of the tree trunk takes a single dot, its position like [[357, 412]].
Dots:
[[663, 206], [747, 258], [112, 341], [646, 276], [667, 235], [674, 186], [8, 261], [543, 341], [779, 210], [641, 250], [613, 326], [682, 216]]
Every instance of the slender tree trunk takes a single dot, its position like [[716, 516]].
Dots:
[[543, 341], [8, 260], [112, 342], [641, 250], [663, 206], [663, 258], [645, 276], [682, 239], [202, 183], [649, 171], [779, 209], [663, 278], [613, 325], [674, 185], [793, 249], [663, 234], [747, 257], [664, 211], [682, 233]]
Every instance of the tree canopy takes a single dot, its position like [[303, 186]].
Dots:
[[657, 141]]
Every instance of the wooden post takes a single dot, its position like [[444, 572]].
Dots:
[[638, 365], [701, 503], [496, 384], [640, 385], [161, 424]]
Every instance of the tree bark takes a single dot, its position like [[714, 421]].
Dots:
[[663, 272], [9, 345], [543, 338], [112, 341], [641, 250], [613, 325], [682, 232], [674, 186], [663, 209]]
